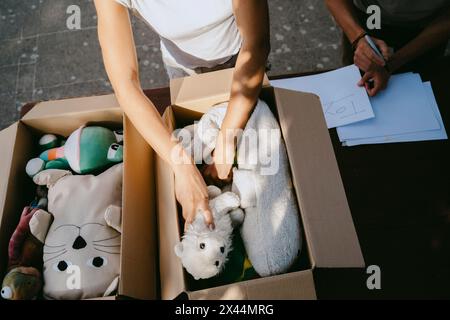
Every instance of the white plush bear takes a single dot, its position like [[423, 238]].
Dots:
[[203, 252], [271, 230]]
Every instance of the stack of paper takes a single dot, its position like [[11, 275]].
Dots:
[[405, 111], [343, 102]]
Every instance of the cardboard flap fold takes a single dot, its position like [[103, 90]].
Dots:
[[201, 91], [323, 204], [15, 187], [68, 106], [171, 269], [7, 140], [138, 277], [64, 115], [297, 285]]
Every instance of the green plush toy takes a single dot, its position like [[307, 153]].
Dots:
[[47, 142], [50, 141], [87, 150]]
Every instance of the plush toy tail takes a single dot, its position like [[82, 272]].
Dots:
[[52, 154]]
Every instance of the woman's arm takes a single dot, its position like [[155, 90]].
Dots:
[[252, 18], [437, 32], [119, 56]]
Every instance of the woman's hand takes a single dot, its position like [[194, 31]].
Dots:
[[209, 173], [192, 194], [224, 154]]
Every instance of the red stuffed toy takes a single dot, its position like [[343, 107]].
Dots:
[[23, 280]]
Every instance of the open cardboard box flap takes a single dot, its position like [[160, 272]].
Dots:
[[139, 272], [64, 111], [323, 204], [289, 286], [199, 92], [171, 270], [69, 106], [139, 255], [7, 140]]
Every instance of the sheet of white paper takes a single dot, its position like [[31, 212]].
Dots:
[[402, 108], [439, 134], [343, 102]]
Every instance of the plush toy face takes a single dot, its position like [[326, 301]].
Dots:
[[203, 256], [80, 258], [21, 283], [203, 252]]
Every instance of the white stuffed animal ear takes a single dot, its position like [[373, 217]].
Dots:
[[179, 249], [40, 224], [50, 177], [113, 217], [112, 287], [213, 192]]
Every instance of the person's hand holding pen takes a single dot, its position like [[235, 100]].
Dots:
[[371, 56]]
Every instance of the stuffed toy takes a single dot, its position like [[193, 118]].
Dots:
[[47, 142], [50, 141], [204, 252], [87, 150], [237, 268], [271, 230], [80, 232], [23, 280]]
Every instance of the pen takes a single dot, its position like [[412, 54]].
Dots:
[[376, 50], [374, 47]]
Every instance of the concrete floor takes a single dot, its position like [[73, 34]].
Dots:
[[40, 59]]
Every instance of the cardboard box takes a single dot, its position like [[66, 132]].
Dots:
[[331, 240], [138, 267]]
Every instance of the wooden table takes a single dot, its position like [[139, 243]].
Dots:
[[399, 195]]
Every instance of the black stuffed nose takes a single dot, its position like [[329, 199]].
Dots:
[[222, 249], [79, 243]]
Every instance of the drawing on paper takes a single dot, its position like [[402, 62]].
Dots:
[[344, 107]]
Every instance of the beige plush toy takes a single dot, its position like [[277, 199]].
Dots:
[[81, 233]]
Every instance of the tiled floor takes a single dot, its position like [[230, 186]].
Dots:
[[40, 59]]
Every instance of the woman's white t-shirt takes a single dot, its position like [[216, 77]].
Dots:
[[194, 33]]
